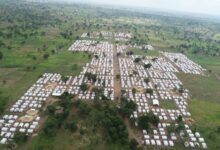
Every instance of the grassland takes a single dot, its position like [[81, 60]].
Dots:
[[167, 104], [138, 51], [205, 102]]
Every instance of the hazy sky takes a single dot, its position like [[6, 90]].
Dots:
[[195, 6]]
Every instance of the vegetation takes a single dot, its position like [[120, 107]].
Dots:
[[1, 55], [91, 77], [147, 66], [137, 60], [146, 121], [94, 126], [20, 138], [84, 87], [127, 107], [146, 80], [149, 91], [166, 104]]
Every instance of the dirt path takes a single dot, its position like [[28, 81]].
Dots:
[[133, 133], [217, 76], [117, 82]]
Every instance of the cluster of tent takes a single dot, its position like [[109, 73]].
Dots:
[[159, 137], [119, 36], [147, 87], [184, 64], [96, 35], [165, 86]]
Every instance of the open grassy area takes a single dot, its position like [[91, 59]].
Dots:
[[202, 87], [167, 104], [138, 51], [205, 102], [206, 117], [211, 63]]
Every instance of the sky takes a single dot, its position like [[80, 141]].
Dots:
[[193, 6]]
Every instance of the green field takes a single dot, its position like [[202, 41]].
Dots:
[[205, 102], [167, 104]]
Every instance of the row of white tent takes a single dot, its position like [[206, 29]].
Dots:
[[184, 64]]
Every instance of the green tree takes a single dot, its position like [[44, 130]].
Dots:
[[72, 126], [146, 80], [1, 55], [149, 91], [64, 79], [20, 137], [137, 60], [84, 87], [147, 66]]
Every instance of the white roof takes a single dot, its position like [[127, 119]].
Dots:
[[156, 102]]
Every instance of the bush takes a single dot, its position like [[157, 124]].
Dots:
[[137, 60], [147, 66], [91, 77], [20, 137], [1, 55], [118, 76], [127, 107], [51, 109], [46, 56], [84, 87], [133, 144], [64, 79], [145, 121], [146, 80], [72, 126], [149, 91]]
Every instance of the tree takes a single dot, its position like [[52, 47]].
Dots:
[[154, 59], [133, 144], [147, 66], [181, 89], [127, 107], [91, 77], [129, 53], [1, 55], [171, 128], [84, 109], [118, 76], [72, 126], [143, 122], [51, 109], [133, 90], [146, 80], [46, 56], [20, 137], [64, 79], [149, 91], [84, 87], [153, 119], [137, 60], [179, 119], [180, 127]]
